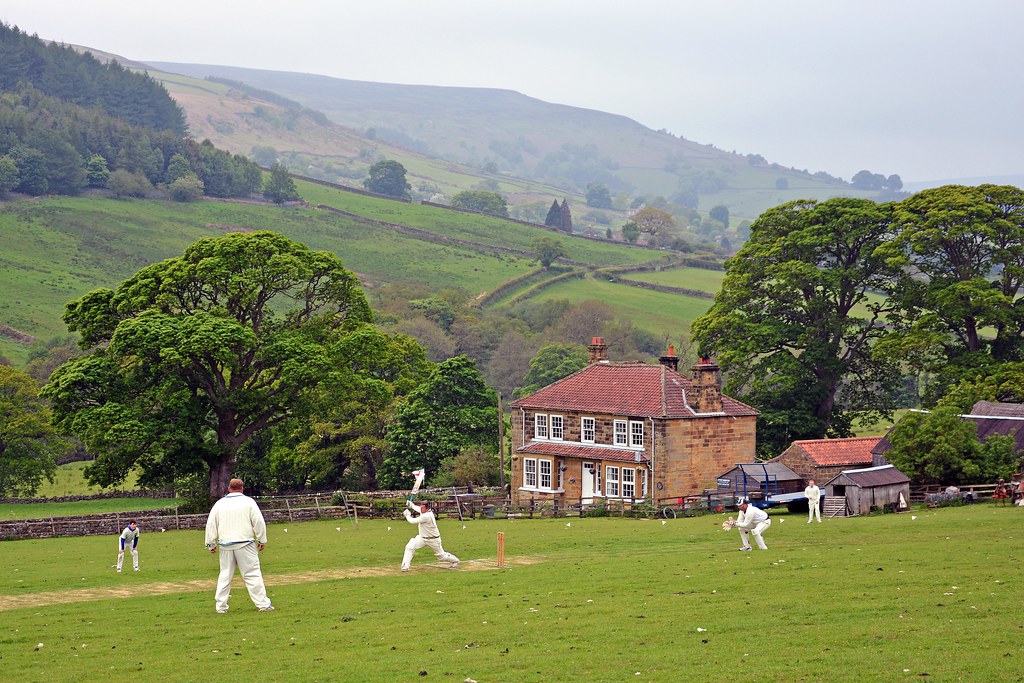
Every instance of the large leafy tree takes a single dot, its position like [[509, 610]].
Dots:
[[193, 356], [794, 322], [279, 186], [941, 447], [960, 305], [452, 410], [548, 250], [341, 443], [552, 363], [483, 201], [28, 443], [387, 177]]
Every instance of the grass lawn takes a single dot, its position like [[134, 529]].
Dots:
[[932, 593], [70, 481], [10, 511]]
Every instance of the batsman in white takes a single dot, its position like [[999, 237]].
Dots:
[[752, 520], [236, 527], [129, 537], [428, 535]]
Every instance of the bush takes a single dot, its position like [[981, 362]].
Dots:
[[127, 184], [186, 189]]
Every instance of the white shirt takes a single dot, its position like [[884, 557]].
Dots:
[[130, 535], [751, 517], [426, 522], [235, 519], [813, 494]]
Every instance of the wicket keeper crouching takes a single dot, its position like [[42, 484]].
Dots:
[[428, 536]]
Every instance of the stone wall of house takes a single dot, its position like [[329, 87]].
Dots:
[[690, 454]]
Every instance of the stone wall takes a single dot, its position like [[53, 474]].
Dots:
[[149, 521]]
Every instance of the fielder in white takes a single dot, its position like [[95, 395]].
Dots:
[[129, 537], [428, 536], [752, 520], [236, 527], [813, 494]]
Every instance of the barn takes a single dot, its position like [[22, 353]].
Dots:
[[855, 492]]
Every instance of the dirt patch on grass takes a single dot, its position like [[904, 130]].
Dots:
[[11, 602]]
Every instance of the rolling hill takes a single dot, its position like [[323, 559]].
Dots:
[[496, 138]]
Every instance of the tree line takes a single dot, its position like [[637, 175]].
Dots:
[[838, 312]]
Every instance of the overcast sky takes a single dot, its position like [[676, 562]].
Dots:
[[927, 89]]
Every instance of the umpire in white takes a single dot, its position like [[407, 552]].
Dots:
[[236, 527]]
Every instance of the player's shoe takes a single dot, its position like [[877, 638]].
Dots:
[[268, 608], [745, 548]]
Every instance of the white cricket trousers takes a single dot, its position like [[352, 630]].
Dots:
[[247, 558], [812, 510], [417, 542], [135, 559], [756, 531]]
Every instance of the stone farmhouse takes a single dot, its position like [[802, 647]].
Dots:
[[627, 431]]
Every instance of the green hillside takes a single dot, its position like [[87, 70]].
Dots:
[[56, 249], [514, 135]]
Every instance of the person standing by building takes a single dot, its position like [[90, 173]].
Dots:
[[428, 536], [1001, 492], [237, 529], [813, 494], [129, 538], [752, 520]]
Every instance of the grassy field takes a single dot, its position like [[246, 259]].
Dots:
[[932, 593], [57, 249], [700, 279], [657, 312], [9, 511], [70, 481]]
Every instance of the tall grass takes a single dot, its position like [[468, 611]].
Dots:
[[931, 594]]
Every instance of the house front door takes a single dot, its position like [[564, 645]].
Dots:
[[588, 483]]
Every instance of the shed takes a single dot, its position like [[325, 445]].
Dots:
[[855, 492], [758, 480]]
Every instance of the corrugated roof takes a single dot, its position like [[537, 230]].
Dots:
[[853, 451], [872, 476], [758, 471], [634, 389], [998, 409], [574, 450]]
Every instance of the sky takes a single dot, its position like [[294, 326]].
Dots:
[[925, 89]]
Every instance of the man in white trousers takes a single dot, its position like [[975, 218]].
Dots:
[[129, 539], [813, 494], [428, 536], [236, 527], [752, 520]]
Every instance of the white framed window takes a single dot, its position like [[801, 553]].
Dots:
[[611, 481], [530, 473], [621, 435], [588, 429], [540, 426], [545, 473], [636, 434], [557, 427], [628, 482]]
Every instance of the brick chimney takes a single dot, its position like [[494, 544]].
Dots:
[[670, 360], [598, 350], [707, 386]]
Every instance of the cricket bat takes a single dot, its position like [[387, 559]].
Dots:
[[420, 476]]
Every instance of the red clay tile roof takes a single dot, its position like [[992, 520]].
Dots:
[[634, 389], [574, 450], [855, 451]]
